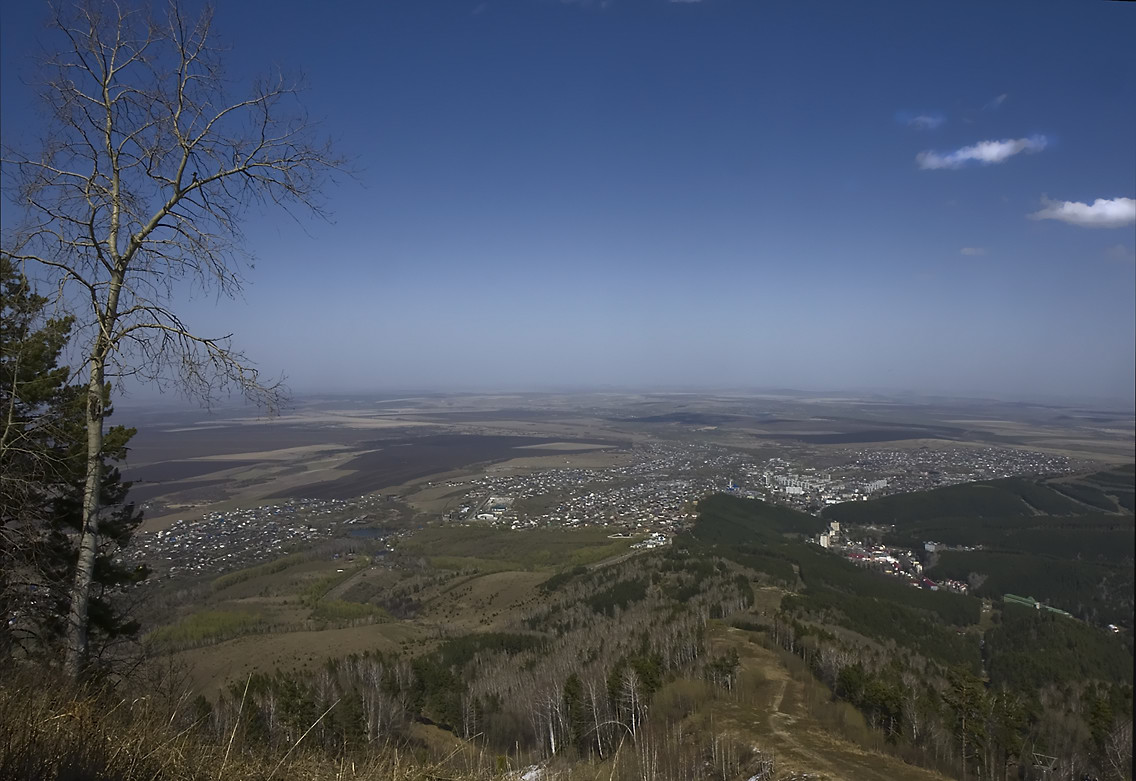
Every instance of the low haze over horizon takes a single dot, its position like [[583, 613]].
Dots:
[[650, 194]]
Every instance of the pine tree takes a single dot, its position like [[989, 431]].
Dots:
[[42, 469], [33, 390], [109, 616]]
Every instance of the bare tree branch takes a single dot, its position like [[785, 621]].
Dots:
[[139, 186]]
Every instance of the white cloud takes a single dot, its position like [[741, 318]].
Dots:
[[984, 153], [1102, 213], [972, 251], [920, 120], [927, 121], [996, 101]]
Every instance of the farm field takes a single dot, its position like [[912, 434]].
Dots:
[[339, 448]]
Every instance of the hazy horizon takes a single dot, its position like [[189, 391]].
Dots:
[[638, 194], [142, 398]]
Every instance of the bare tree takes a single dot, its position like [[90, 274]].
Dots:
[[137, 191], [1118, 750], [631, 699]]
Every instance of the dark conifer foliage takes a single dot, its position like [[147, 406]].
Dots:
[[42, 463]]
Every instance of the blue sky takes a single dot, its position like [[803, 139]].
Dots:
[[651, 194]]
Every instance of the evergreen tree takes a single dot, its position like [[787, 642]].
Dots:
[[33, 390], [108, 612], [42, 469], [967, 706]]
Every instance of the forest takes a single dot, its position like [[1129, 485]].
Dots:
[[954, 681], [1067, 541]]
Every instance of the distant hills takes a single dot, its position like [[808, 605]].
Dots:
[[1108, 491]]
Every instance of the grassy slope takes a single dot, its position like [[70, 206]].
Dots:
[[789, 715], [498, 549], [486, 600]]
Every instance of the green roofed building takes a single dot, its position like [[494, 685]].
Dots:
[[1014, 599]]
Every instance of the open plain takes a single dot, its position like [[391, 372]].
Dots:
[[329, 449]]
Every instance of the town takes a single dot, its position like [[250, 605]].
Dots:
[[658, 491], [885, 559], [222, 541], [650, 499]]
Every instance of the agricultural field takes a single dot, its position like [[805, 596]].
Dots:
[[342, 447]]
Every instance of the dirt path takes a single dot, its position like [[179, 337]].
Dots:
[[779, 721], [618, 559], [338, 591], [784, 728]]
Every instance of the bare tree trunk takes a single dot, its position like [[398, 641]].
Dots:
[[594, 700], [77, 623], [137, 191]]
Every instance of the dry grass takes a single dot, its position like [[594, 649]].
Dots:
[[51, 730], [785, 709], [213, 667]]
